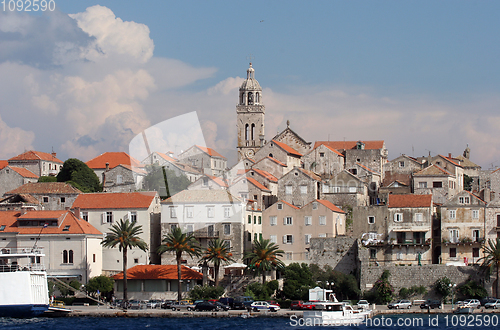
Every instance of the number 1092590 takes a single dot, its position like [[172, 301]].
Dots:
[[28, 5]]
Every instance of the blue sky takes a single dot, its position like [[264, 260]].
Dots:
[[421, 75]]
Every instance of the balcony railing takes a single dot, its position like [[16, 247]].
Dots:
[[205, 233], [464, 241], [415, 241]]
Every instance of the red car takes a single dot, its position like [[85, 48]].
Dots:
[[297, 304], [273, 302]]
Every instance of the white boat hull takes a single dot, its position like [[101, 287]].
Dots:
[[342, 317], [23, 293]]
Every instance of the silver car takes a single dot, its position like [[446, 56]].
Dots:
[[492, 304]]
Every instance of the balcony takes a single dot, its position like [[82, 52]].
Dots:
[[463, 241], [206, 233], [408, 242]]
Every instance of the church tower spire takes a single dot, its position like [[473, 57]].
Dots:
[[250, 113]]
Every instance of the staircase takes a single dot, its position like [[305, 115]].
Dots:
[[235, 285]]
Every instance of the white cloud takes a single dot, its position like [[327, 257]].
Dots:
[[14, 140]]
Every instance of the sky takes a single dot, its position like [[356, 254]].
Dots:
[[423, 76]]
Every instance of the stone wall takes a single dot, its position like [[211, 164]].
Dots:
[[338, 252]]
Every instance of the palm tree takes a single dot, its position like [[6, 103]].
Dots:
[[217, 252], [265, 257], [178, 242], [125, 234], [491, 259]]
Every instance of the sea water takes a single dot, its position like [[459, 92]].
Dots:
[[421, 322]]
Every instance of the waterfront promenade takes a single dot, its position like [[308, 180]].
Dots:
[[104, 311]]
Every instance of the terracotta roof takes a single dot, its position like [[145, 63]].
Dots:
[[130, 200], [113, 159], [210, 151], [344, 145], [25, 173], [3, 163], [37, 188], [367, 168], [293, 206], [329, 148], [274, 160], [257, 184], [65, 219], [134, 169], [465, 162], [265, 174], [217, 180], [166, 157], [202, 196], [409, 200], [287, 148], [450, 160], [330, 205], [310, 174], [159, 272], [20, 198], [432, 170], [36, 155]]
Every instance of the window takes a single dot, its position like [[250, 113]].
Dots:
[[226, 212], [437, 184], [255, 236], [322, 220], [398, 217], [353, 189], [63, 200], [373, 253], [307, 220], [67, 257], [228, 244], [189, 211], [260, 220], [463, 200], [475, 235], [475, 214], [189, 228], [402, 164], [249, 235], [249, 219], [453, 214], [136, 260], [210, 211], [371, 220], [303, 190], [422, 184], [85, 216], [119, 178], [205, 182], [453, 235], [475, 252], [288, 256], [308, 238], [315, 205], [109, 217], [280, 206], [260, 236], [273, 221], [419, 217], [322, 154], [66, 228], [2, 227], [453, 252], [173, 212], [70, 254], [45, 199], [288, 190], [133, 216], [321, 235], [326, 189], [273, 239], [93, 257], [173, 226], [227, 229], [399, 256], [254, 219], [498, 220], [288, 239], [288, 221]]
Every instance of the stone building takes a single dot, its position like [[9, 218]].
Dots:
[[462, 229], [272, 166], [436, 181], [109, 160], [39, 163], [324, 161], [206, 160], [249, 189], [299, 187], [292, 139], [12, 177], [123, 178], [281, 152], [492, 220], [346, 190], [50, 195]]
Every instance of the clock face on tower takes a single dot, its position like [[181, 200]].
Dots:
[[250, 153]]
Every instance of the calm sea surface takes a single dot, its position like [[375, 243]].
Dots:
[[421, 322]]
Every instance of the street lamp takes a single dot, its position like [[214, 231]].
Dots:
[[452, 287]]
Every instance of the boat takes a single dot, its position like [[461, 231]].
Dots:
[[331, 312], [24, 291]]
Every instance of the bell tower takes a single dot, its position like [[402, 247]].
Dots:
[[250, 113]]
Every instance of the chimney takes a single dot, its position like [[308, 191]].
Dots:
[[107, 166], [54, 154], [76, 211], [449, 155]]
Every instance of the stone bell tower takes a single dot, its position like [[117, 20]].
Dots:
[[250, 113]]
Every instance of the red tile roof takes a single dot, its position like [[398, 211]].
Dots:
[[25, 173], [210, 151], [287, 148], [36, 155], [35, 188], [65, 218], [275, 160], [217, 180], [159, 272], [344, 145], [451, 160], [409, 200], [166, 157], [330, 205], [293, 206], [265, 174], [134, 169], [3, 163], [310, 174], [20, 198], [431, 171], [131, 200], [113, 159], [330, 148], [257, 184]]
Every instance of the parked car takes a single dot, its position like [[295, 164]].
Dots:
[[154, 303], [206, 306], [474, 303], [221, 306], [486, 300], [264, 305], [431, 304], [363, 304], [273, 302], [492, 304], [297, 304], [167, 304], [176, 306], [309, 305], [227, 301], [137, 304], [400, 304], [242, 302]]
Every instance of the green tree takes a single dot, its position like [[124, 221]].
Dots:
[[206, 292], [79, 175], [265, 257], [344, 285], [47, 179], [217, 253], [468, 181], [178, 243], [472, 289], [166, 182], [125, 235], [491, 259], [383, 289], [444, 287], [101, 283], [298, 280]]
